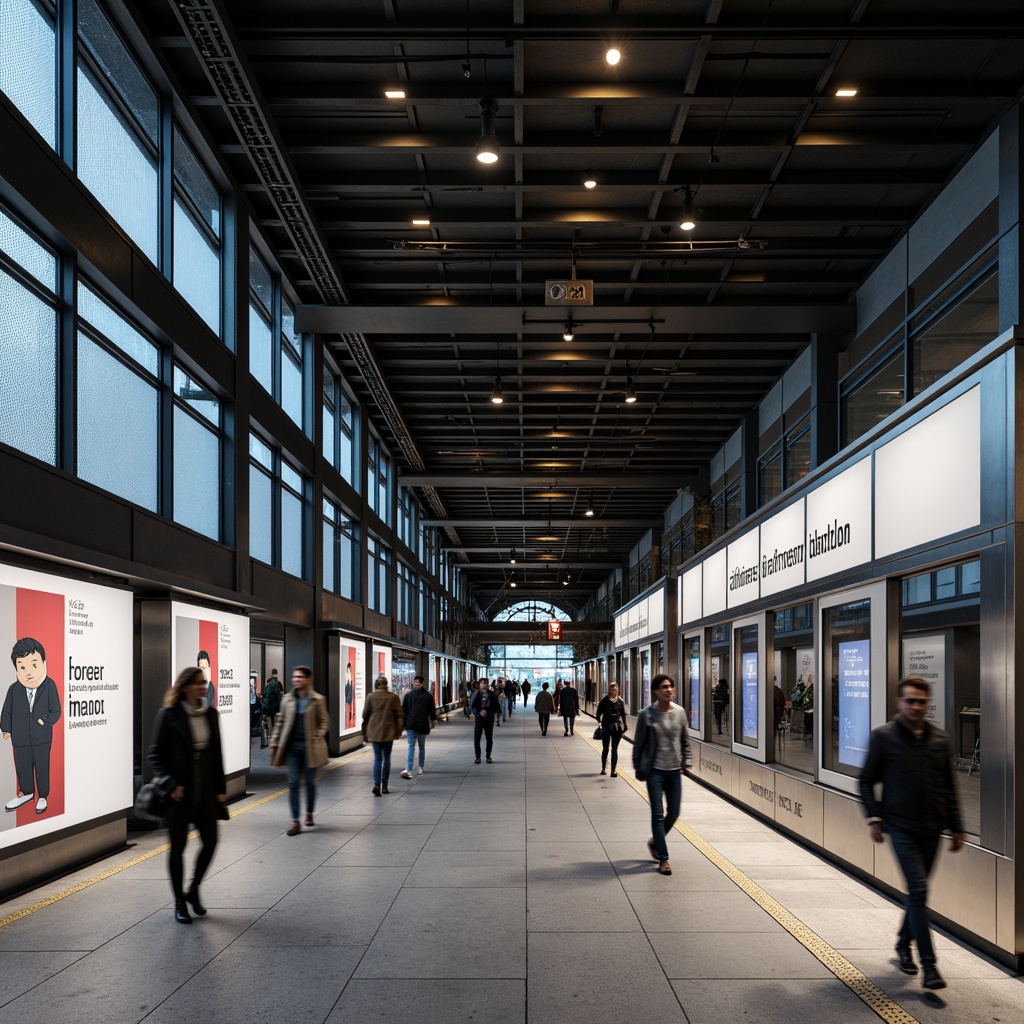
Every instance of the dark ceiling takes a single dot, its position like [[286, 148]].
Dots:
[[799, 193]]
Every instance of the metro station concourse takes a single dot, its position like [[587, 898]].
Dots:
[[581, 341]]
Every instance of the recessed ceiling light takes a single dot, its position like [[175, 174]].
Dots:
[[395, 94], [846, 93], [421, 222], [613, 56], [590, 182]]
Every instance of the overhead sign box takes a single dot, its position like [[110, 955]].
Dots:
[[568, 293]]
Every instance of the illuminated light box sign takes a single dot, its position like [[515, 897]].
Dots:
[[641, 621], [353, 684], [381, 665], [839, 522], [854, 701], [751, 693], [691, 597], [66, 718], [218, 643], [783, 550], [744, 571]]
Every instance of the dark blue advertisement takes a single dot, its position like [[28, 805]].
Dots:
[[854, 701], [750, 695], [695, 693]]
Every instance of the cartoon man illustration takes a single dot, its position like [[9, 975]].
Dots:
[[203, 661], [31, 708]]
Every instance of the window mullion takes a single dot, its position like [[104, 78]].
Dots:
[[67, 44], [67, 380]]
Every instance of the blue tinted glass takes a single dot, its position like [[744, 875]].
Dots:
[[260, 356], [196, 267], [260, 517], [192, 178], [106, 139], [327, 441], [24, 250], [291, 477], [291, 534], [196, 397], [260, 281], [28, 371], [196, 475], [329, 552], [291, 386], [260, 452], [118, 446], [116, 329], [28, 69]]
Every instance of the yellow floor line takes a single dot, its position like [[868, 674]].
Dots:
[[852, 977], [143, 857]]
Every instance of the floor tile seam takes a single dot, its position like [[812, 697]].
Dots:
[[854, 979]]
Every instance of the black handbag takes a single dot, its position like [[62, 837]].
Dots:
[[153, 799], [599, 733]]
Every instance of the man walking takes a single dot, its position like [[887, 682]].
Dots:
[[485, 708], [913, 760], [661, 753], [525, 687], [420, 715], [544, 704], [569, 707]]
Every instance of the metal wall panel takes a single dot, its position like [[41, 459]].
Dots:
[[845, 830], [755, 787], [800, 807], [963, 888]]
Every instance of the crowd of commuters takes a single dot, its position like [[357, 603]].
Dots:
[[909, 758]]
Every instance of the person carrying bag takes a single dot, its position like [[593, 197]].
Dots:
[[611, 717]]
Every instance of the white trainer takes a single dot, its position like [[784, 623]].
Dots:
[[406, 775], [41, 805], [421, 771]]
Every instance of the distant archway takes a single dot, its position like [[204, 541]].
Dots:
[[534, 662]]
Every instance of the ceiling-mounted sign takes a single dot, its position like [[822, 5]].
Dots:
[[554, 630], [568, 293]]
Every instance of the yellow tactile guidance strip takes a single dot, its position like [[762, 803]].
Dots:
[[853, 978], [65, 893]]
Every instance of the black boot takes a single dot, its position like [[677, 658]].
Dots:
[[181, 914], [192, 896]]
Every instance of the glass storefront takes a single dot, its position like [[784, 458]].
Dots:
[[793, 636], [721, 691]]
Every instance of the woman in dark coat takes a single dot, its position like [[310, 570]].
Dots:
[[186, 746], [611, 714]]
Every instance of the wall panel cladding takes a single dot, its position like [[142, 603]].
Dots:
[[162, 545], [286, 599]]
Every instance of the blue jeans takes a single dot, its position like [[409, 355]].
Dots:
[[916, 853], [664, 788], [381, 762], [295, 760], [415, 738]]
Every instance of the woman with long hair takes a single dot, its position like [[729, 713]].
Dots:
[[186, 746], [611, 713]]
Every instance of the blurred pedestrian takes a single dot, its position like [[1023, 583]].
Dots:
[[569, 707], [485, 709], [611, 713], [382, 725]]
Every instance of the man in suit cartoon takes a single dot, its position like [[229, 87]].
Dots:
[[203, 661], [31, 708]]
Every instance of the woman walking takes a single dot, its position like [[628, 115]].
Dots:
[[186, 746], [544, 704], [299, 742], [661, 753], [382, 725], [611, 713]]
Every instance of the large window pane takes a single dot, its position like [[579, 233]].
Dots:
[[28, 68], [260, 354], [118, 441], [24, 250], [28, 371], [116, 329], [196, 266], [868, 402], [291, 385], [260, 516], [330, 551], [291, 533], [196, 475]]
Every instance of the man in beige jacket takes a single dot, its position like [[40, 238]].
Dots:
[[299, 742]]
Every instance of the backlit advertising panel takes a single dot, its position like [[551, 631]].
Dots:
[[353, 684], [218, 642], [854, 701], [66, 718], [381, 665], [695, 693], [750, 696]]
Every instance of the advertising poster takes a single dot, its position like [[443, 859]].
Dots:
[[645, 677], [854, 701], [925, 656], [218, 642], [66, 718], [381, 665], [695, 694], [750, 696], [353, 686]]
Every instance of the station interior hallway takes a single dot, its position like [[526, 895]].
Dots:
[[519, 891]]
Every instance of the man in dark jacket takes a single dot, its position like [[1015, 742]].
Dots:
[[569, 707], [420, 717], [912, 759], [485, 707]]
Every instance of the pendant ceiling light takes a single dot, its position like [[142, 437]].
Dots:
[[487, 148]]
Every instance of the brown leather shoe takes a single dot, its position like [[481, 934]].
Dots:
[[309, 821], [295, 829], [650, 848], [665, 868]]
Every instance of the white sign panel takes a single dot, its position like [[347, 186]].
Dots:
[[715, 582], [783, 550], [644, 619], [66, 719], [218, 642], [944, 448], [352, 685], [925, 656], [691, 605], [839, 522], [744, 570]]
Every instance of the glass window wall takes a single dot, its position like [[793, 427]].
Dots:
[[868, 400], [720, 649], [793, 686], [28, 70], [197, 456]]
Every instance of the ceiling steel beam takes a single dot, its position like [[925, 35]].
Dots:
[[634, 481], [555, 524]]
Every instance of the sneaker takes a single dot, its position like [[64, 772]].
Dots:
[[615, 775], [421, 772], [932, 979], [13, 805], [907, 965], [604, 771], [309, 821], [41, 805], [406, 775], [489, 761], [295, 829]]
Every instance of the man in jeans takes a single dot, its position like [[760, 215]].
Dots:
[[420, 715], [661, 753], [913, 760], [485, 708]]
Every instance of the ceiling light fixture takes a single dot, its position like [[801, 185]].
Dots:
[[421, 222], [589, 513], [395, 94], [846, 94], [497, 395], [689, 221], [630, 393], [487, 148], [512, 557], [590, 182], [570, 330], [613, 56]]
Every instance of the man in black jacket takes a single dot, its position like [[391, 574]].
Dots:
[[420, 716], [912, 759], [485, 707], [569, 707]]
